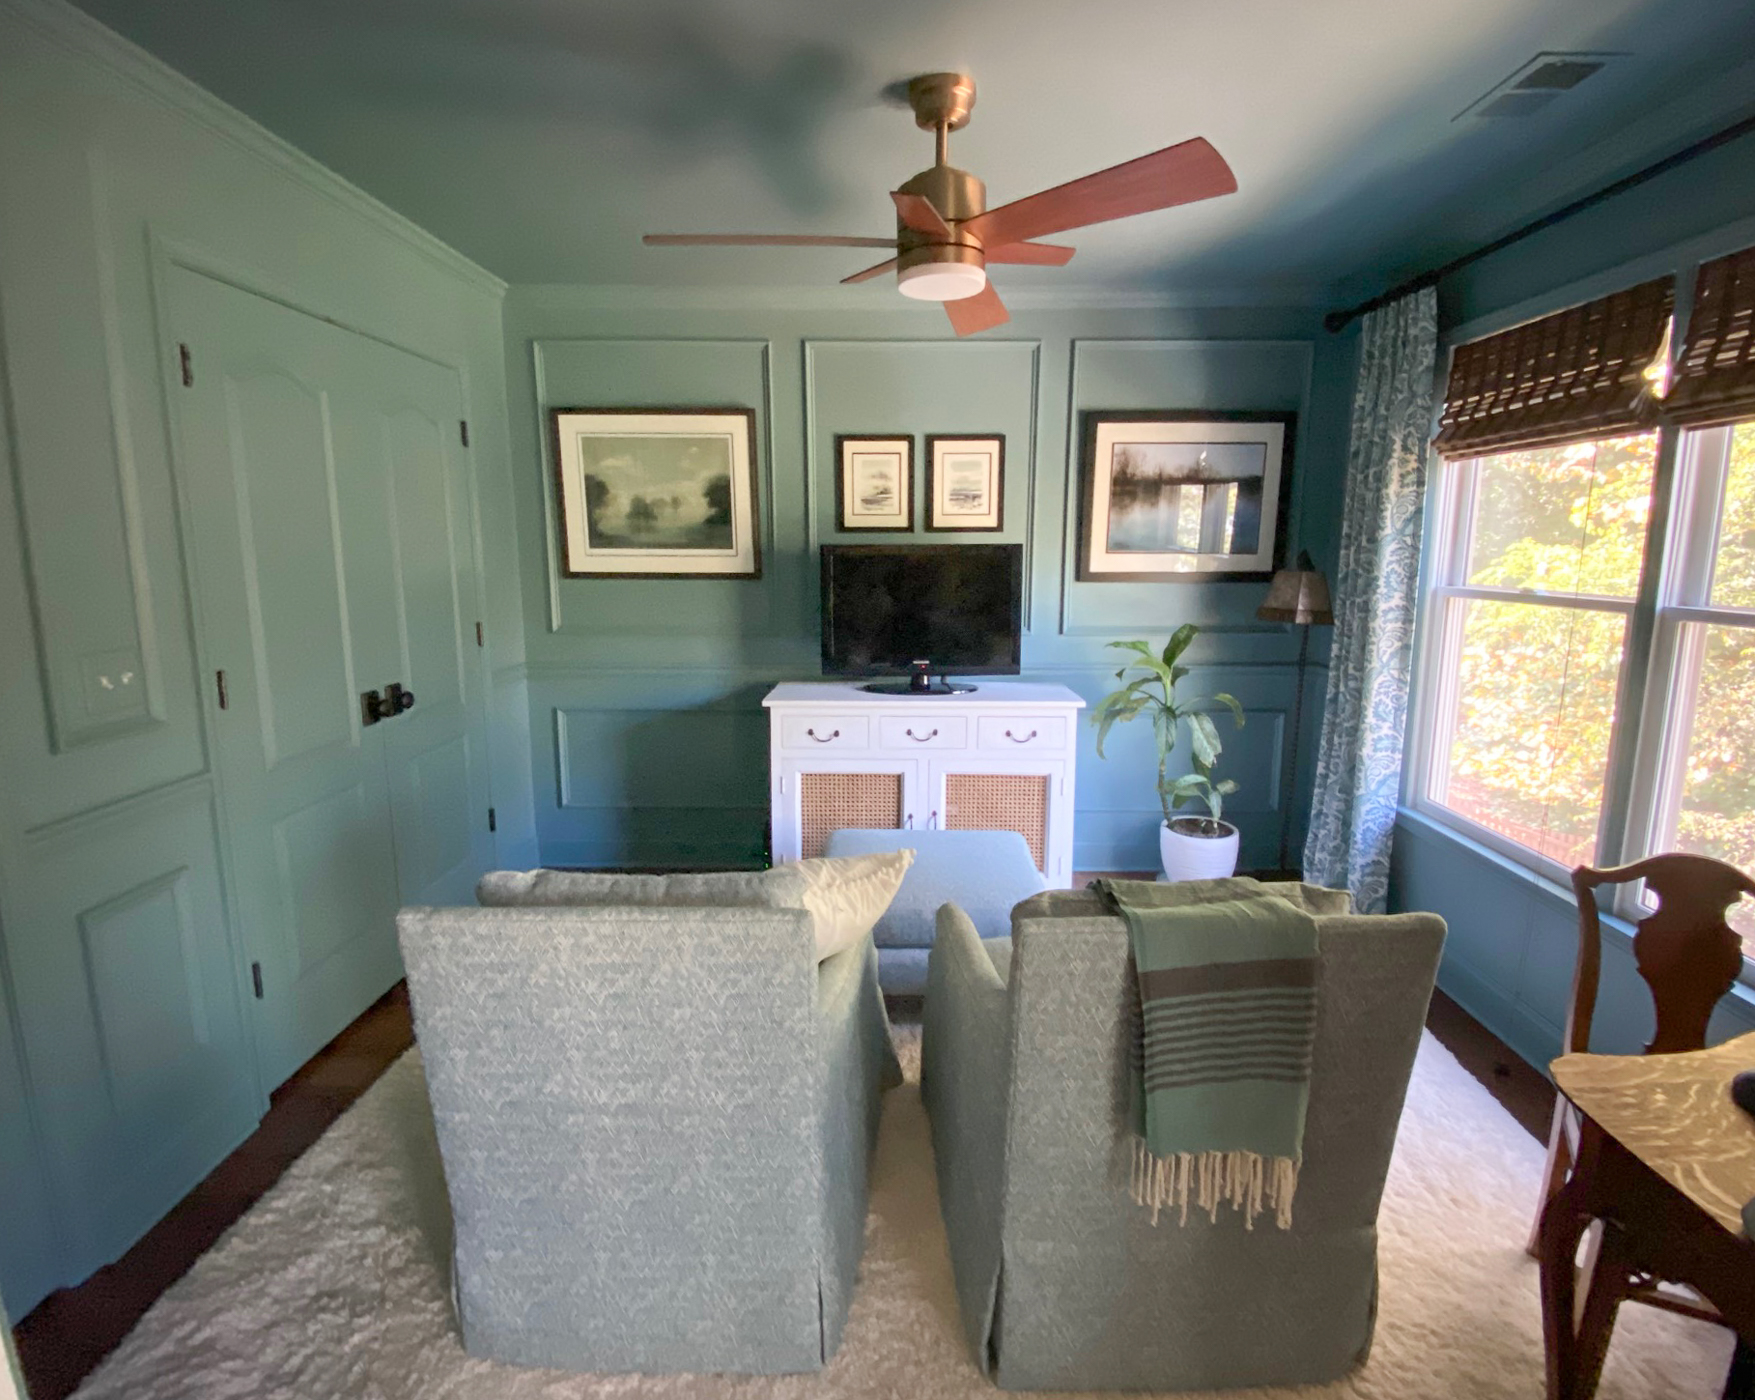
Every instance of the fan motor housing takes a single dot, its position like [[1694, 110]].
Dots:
[[957, 195]]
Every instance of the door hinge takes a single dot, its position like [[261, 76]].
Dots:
[[493, 821], [478, 640], [256, 979], [463, 430], [188, 362], [225, 695]]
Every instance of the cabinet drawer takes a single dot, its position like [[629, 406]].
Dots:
[[919, 732], [998, 734], [825, 733]]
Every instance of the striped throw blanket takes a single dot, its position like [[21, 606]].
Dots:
[[1227, 1001]]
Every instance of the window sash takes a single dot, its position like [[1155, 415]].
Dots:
[[1450, 544], [1666, 711]]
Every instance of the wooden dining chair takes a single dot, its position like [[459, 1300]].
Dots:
[[1689, 958]]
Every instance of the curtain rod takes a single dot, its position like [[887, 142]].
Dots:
[[1340, 320]]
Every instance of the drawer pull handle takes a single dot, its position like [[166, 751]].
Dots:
[[1023, 740], [828, 738], [932, 822], [921, 738]]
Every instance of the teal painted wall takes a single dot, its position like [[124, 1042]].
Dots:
[[126, 1071], [649, 743], [1514, 936]]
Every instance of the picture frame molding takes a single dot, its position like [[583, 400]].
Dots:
[[842, 442], [998, 441], [1092, 419], [648, 410]]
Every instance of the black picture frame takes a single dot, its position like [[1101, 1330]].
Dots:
[[932, 441], [569, 509], [902, 521], [1096, 565]]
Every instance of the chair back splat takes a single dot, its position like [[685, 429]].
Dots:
[[1686, 952]]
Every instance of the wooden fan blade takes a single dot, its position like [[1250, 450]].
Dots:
[[868, 273], [761, 240], [1036, 254], [981, 312], [1175, 175], [918, 213]]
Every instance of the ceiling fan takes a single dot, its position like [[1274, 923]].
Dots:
[[946, 235]]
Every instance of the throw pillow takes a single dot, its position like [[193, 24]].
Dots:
[[847, 895]]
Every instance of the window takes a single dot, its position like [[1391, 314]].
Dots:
[[1587, 692], [1541, 553], [1698, 784]]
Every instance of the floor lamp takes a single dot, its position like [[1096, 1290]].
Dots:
[[1298, 595]]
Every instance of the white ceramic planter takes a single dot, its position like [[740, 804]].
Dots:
[[1188, 857]]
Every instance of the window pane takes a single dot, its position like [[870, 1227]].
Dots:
[[1733, 570], [1564, 519], [1535, 703], [1716, 815]]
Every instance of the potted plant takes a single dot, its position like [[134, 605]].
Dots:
[[1191, 847]]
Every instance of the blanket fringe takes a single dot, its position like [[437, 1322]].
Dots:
[[1246, 1181]]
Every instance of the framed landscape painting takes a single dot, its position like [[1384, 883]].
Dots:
[[874, 481], [965, 482], [657, 493], [1174, 496]]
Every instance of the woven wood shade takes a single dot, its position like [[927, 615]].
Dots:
[[1715, 373], [830, 801], [1575, 375], [1000, 802]]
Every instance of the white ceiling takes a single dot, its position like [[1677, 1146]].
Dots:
[[542, 137]]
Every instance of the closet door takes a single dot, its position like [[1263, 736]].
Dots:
[[436, 749], [293, 559]]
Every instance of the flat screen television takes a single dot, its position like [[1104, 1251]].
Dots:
[[922, 611]]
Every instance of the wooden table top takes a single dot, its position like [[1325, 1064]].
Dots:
[[1674, 1113]]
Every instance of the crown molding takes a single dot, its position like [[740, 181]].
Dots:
[[85, 37]]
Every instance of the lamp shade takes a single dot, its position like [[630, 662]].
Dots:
[[1298, 594]]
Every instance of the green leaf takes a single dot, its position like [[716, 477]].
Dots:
[[1230, 703], [1188, 783], [1177, 673], [1178, 643], [1227, 787], [1177, 799], [1205, 738]]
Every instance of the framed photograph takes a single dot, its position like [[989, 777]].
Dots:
[[874, 483], [657, 493], [965, 482], [1172, 496]]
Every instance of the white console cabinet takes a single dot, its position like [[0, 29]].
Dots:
[[998, 758]]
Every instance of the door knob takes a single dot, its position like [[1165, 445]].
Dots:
[[397, 699]]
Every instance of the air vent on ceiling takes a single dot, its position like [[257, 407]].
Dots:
[[1536, 84]]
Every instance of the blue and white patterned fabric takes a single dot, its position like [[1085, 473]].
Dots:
[[1359, 763]]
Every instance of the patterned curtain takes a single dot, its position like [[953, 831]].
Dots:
[[1359, 764]]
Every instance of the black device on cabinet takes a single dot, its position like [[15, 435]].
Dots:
[[922, 611]]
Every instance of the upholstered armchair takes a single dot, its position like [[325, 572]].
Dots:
[[656, 1125], [1063, 1281]]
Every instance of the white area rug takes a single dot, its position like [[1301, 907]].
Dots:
[[335, 1284]]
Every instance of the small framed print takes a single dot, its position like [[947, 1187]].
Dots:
[[965, 482], [657, 492], [1179, 496], [874, 483]]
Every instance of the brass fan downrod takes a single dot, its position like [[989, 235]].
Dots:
[[942, 103]]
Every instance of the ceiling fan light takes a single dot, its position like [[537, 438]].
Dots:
[[937, 281]]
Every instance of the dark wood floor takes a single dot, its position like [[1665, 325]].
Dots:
[[65, 1337]]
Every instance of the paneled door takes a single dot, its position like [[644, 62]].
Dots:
[[332, 554]]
